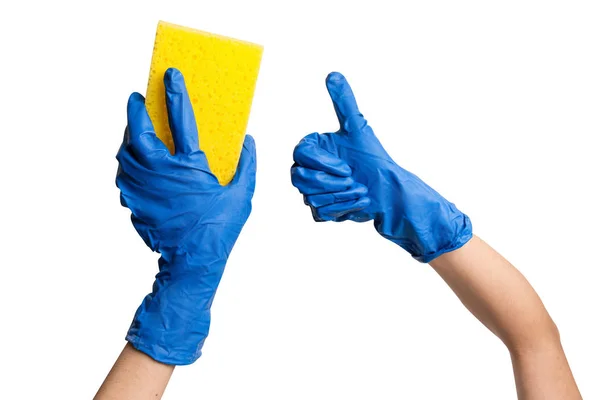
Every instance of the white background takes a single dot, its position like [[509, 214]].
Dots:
[[494, 104]]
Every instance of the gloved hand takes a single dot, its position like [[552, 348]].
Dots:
[[347, 175], [181, 211]]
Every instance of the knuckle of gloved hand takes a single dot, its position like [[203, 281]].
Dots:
[[315, 214], [293, 169], [303, 148], [304, 177], [319, 200], [297, 154], [295, 175], [311, 138], [123, 200], [323, 215]]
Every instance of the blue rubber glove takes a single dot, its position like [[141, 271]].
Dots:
[[347, 175], [180, 210]]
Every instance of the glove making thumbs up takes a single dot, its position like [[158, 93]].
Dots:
[[348, 175]]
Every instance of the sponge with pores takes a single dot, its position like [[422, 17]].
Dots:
[[220, 75]]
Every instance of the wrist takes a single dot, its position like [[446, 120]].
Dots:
[[419, 219], [438, 232], [447, 238], [171, 324], [206, 243], [173, 321]]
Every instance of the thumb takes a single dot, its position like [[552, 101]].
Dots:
[[246, 171], [351, 120]]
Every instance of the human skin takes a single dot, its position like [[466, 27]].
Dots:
[[501, 298], [135, 376]]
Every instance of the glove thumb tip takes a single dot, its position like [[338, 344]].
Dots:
[[135, 97], [335, 77], [337, 86]]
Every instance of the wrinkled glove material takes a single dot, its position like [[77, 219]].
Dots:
[[181, 211], [348, 175]]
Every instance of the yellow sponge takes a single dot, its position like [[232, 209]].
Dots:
[[220, 74]]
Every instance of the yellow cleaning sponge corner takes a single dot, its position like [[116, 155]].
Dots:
[[220, 75]]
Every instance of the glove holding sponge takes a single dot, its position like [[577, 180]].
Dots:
[[181, 211], [187, 172]]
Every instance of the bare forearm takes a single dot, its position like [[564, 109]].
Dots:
[[497, 294], [135, 376], [503, 300], [544, 374]]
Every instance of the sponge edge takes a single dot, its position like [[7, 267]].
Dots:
[[220, 75]]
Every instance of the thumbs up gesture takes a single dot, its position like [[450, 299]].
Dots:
[[348, 175]]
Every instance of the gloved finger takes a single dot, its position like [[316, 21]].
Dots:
[[246, 171], [139, 133], [309, 154], [355, 192], [339, 211], [310, 181], [181, 114], [351, 120]]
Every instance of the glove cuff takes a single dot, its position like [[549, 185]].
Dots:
[[464, 234], [173, 321]]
